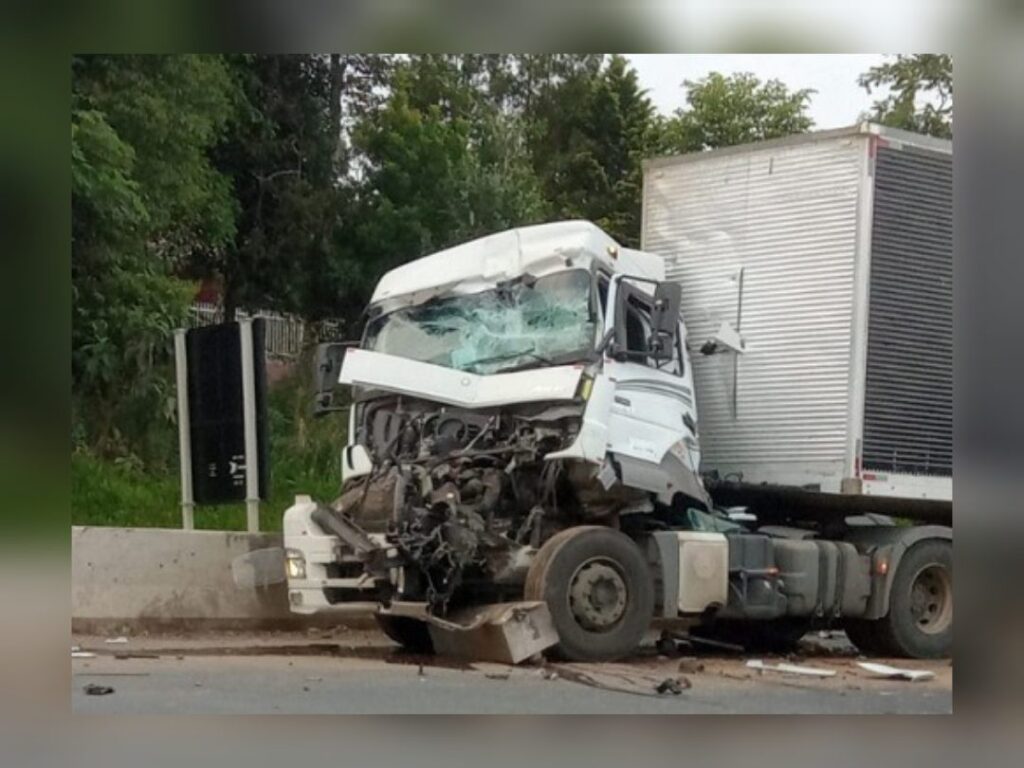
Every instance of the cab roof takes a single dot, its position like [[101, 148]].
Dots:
[[486, 261]]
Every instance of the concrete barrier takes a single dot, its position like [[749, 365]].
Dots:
[[155, 577]]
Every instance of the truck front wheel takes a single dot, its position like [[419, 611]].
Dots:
[[409, 633], [919, 624], [598, 589]]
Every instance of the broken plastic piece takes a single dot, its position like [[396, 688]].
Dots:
[[793, 669], [895, 673]]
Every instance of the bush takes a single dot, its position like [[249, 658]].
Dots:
[[304, 458]]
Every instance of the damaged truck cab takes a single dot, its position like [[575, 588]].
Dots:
[[523, 432]]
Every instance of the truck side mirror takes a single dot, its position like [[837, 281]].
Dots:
[[326, 369], [665, 320]]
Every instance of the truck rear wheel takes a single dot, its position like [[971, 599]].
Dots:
[[919, 624], [409, 633], [598, 588]]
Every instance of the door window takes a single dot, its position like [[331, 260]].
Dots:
[[637, 324]]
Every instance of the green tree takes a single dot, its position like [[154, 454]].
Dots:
[[143, 197], [919, 93], [589, 126], [288, 162], [440, 164], [725, 110]]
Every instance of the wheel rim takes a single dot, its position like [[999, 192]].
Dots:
[[598, 595], [931, 599]]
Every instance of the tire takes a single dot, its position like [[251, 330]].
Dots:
[[598, 588], [411, 634], [919, 624]]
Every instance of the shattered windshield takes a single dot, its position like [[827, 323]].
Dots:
[[524, 322]]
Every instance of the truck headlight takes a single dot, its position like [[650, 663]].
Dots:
[[294, 564]]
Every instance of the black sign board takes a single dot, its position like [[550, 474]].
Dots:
[[216, 412]]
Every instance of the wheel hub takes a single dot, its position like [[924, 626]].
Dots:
[[597, 595], [931, 599]]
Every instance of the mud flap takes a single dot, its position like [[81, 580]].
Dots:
[[503, 632]]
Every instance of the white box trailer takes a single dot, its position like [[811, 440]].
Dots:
[[831, 253]]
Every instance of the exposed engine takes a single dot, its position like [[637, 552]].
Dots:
[[459, 493]]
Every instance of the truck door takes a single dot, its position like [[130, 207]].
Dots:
[[652, 433]]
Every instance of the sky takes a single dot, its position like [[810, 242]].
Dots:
[[838, 101]]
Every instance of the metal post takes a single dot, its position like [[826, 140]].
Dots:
[[184, 431], [252, 480]]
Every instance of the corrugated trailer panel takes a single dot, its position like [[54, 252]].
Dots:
[[908, 404], [778, 223]]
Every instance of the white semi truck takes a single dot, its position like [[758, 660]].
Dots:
[[524, 430]]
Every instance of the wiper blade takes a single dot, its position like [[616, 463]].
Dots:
[[511, 356]]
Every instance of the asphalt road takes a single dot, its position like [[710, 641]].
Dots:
[[361, 673]]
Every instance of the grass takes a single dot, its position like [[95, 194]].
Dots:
[[304, 458]]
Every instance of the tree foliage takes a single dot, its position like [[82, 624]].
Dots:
[[918, 92], [723, 111], [440, 164], [143, 196]]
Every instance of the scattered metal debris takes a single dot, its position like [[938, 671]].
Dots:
[[673, 685], [895, 673], [667, 646], [793, 669], [504, 632], [94, 689], [692, 640]]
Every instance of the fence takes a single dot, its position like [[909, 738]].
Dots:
[[286, 334]]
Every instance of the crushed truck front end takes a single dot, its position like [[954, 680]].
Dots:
[[488, 416]]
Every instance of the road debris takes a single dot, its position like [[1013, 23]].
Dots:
[[120, 640], [93, 689], [793, 669], [509, 633], [692, 640], [496, 675], [83, 655], [895, 673], [673, 685], [667, 646], [136, 655]]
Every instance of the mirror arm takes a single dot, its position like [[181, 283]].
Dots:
[[606, 341]]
